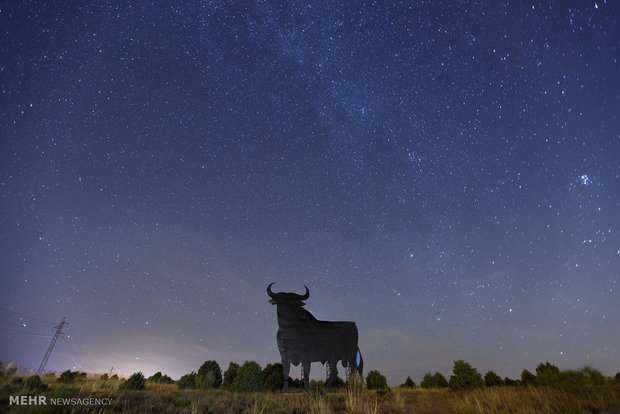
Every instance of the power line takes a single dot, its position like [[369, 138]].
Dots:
[[26, 316], [25, 333]]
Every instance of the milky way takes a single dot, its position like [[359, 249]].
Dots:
[[446, 174]]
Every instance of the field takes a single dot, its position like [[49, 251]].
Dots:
[[167, 398]]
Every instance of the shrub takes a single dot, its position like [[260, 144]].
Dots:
[[547, 374], [408, 383], [527, 378], [214, 367], [375, 380], [491, 379], [465, 376], [434, 381], [103, 377], [272, 375], [160, 379], [67, 377], [136, 382], [34, 383], [187, 381], [206, 381], [594, 376], [249, 378], [510, 382], [230, 374]]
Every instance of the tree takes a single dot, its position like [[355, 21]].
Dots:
[[439, 380], [230, 374], [547, 374], [272, 375], [375, 380], [249, 378], [465, 376], [187, 381], [159, 378], [491, 379], [206, 381], [527, 378], [510, 382], [214, 367], [136, 382], [408, 383], [434, 381]]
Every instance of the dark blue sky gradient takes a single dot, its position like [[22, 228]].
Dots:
[[446, 174]]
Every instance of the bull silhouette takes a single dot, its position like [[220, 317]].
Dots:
[[304, 339]]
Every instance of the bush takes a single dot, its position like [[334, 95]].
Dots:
[[214, 367], [187, 381], [465, 376], [230, 374], [160, 379], [249, 378], [510, 382], [547, 374], [434, 381], [491, 379], [375, 380], [34, 383], [67, 377], [136, 382], [206, 381], [527, 378], [408, 383], [272, 375]]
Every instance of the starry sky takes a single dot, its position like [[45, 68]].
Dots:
[[445, 174]]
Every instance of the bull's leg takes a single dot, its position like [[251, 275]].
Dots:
[[305, 374], [286, 366], [332, 366]]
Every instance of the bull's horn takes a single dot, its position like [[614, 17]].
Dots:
[[307, 295], [269, 291]]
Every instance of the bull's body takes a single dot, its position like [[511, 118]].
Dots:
[[304, 339]]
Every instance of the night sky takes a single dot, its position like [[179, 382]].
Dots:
[[445, 174]]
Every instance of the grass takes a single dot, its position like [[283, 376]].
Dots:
[[355, 399]]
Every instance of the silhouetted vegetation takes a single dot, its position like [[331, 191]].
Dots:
[[465, 376], [136, 382], [272, 375], [436, 380], [209, 375], [550, 390], [158, 378], [408, 383], [187, 381], [34, 384], [375, 380], [67, 377], [249, 378], [527, 378], [491, 379], [230, 374]]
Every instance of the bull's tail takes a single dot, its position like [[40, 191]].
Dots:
[[359, 362]]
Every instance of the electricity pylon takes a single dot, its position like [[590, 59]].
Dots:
[[49, 349]]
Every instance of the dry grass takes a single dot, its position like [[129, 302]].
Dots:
[[167, 398]]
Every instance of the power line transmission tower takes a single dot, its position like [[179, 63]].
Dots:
[[49, 349]]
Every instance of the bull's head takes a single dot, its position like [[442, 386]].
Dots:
[[282, 298]]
